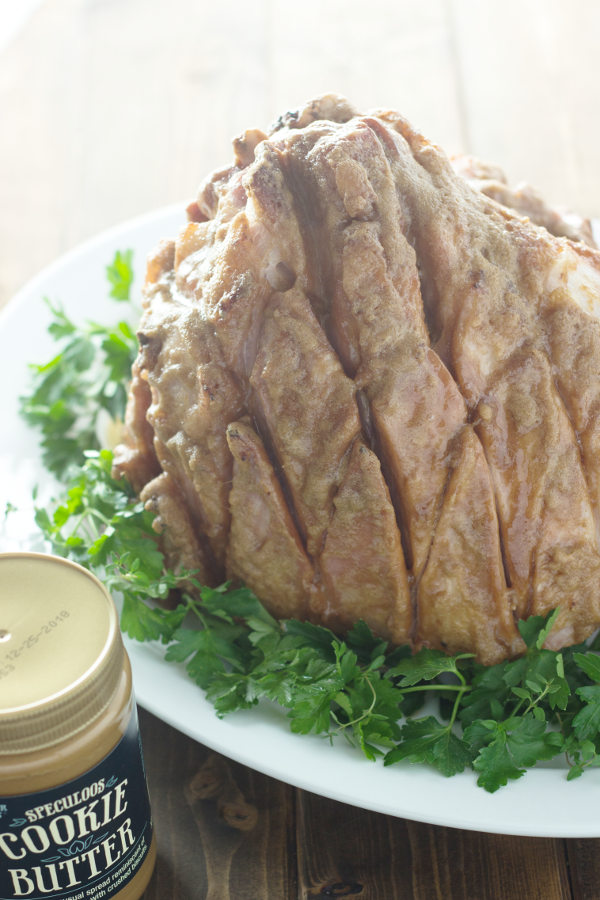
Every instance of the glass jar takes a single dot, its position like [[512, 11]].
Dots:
[[75, 819]]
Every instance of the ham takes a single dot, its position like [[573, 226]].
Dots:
[[369, 389]]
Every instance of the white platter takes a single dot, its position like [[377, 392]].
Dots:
[[542, 803]]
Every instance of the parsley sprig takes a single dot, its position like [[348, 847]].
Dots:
[[449, 712], [85, 380]]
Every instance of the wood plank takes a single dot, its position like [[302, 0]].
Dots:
[[112, 109], [531, 93], [103, 119], [398, 55], [583, 858], [449, 864], [344, 851], [223, 831]]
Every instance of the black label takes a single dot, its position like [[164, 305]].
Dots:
[[83, 840]]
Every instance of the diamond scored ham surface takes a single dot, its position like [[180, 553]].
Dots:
[[368, 388]]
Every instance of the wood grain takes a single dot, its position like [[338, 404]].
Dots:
[[223, 831], [486, 866], [583, 859], [345, 851], [520, 67], [111, 108]]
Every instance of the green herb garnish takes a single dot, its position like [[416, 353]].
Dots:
[[497, 720], [85, 380]]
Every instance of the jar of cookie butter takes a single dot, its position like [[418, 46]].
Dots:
[[75, 819]]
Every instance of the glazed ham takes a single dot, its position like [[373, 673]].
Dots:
[[368, 390]]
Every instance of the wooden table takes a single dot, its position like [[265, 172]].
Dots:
[[110, 108]]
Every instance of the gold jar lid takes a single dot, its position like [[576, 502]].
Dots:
[[61, 653]]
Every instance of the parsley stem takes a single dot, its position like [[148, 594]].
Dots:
[[364, 715], [87, 516], [459, 696], [532, 703], [535, 702], [436, 687]]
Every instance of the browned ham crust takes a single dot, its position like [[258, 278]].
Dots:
[[372, 392]]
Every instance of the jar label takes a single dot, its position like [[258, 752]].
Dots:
[[83, 840]]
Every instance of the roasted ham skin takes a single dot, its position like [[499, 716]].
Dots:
[[368, 388]]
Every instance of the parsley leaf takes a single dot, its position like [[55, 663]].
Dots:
[[509, 746], [536, 629], [590, 664], [426, 740], [586, 723], [120, 274], [426, 665]]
